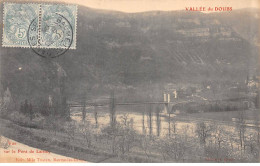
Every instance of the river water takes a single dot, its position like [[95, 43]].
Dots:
[[137, 120]]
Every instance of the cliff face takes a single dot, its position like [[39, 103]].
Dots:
[[119, 49], [168, 45]]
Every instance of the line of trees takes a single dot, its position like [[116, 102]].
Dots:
[[27, 109]]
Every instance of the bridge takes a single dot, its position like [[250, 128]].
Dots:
[[167, 104]]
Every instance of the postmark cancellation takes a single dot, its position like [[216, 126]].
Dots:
[[39, 25]]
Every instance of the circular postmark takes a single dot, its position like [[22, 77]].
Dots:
[[50, 37]]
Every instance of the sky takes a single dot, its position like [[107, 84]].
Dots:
[[133, 6]]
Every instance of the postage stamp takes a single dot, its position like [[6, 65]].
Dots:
[[39, 25], [17, 18]]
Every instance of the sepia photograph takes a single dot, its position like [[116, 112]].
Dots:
[[129, 81]]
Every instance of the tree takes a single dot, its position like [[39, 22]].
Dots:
[[124, 119], [70, 129], [30, 110], [96, 115], [169, 124], [22, 108], [85, 129], [3, 108], [158, 121], [62, 76], [241, 129], [44, 108], [26, 107], [1, 91], [126, 134], [150, 120], [173, 148], [146, 142], [203, 131], [257, 100], [112, 110], [8, 100], [65, 108], [84, 108]]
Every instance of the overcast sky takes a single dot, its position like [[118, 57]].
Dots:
[[164, 5]]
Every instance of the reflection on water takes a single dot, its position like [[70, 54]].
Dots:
[[140, 122], [200, 134]]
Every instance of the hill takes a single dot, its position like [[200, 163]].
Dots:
[[140, 50]]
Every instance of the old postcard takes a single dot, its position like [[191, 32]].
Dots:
[[130, 81]]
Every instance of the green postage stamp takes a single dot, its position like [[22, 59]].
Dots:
[[39, 25]]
